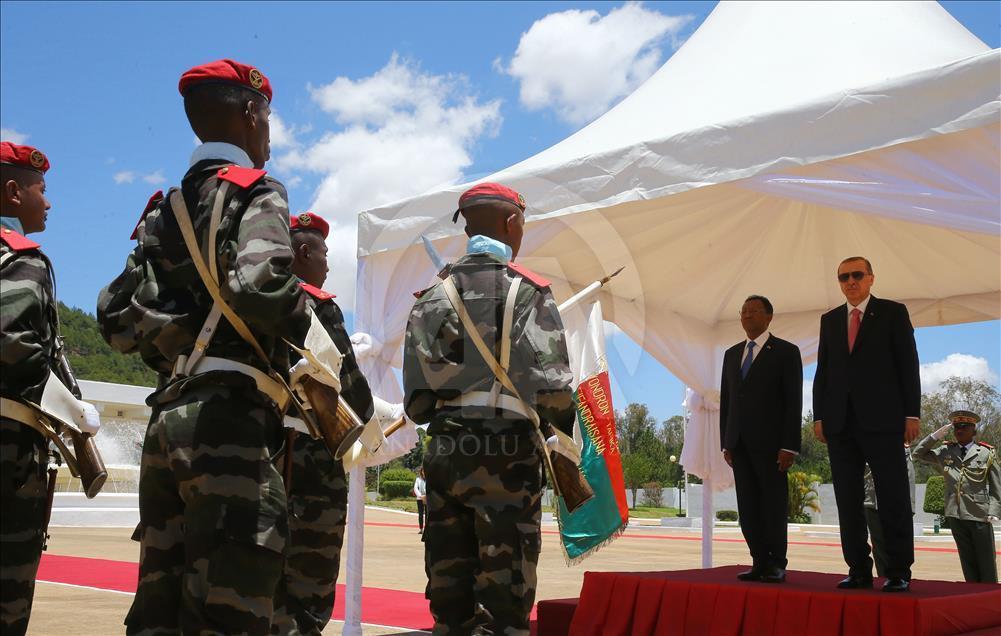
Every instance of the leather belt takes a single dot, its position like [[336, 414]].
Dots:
[[265, 383], [488, 399]]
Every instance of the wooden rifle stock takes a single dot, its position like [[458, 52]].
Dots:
[[338, 429], [93, 473], [570, 483]]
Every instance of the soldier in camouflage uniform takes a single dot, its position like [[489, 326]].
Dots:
[[972, 492], [27, 346], [213, 519], [483, 467], [28, 350], [318, 492], [872, 514]]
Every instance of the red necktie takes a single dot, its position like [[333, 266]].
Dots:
[[853, 328]]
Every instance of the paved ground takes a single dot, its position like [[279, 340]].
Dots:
[[394, 560]]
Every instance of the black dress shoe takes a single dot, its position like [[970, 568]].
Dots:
[[754, 574], [773, 575], [896, 584], [855, 583]]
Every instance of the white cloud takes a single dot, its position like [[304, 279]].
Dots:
[[125, 176], [282, 135], [402, 131], [155, 178], [13, 136], [956, 364], [579, 63]]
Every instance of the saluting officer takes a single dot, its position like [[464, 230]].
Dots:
[[484, 485], [972, 492]]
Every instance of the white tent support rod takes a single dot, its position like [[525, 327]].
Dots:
[[708, 521], [355, 552]]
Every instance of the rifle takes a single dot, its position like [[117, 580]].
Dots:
[[89, 463]]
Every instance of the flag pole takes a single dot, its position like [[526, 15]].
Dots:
[[587, 291]]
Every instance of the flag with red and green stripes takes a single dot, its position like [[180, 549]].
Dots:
[[605, 516]]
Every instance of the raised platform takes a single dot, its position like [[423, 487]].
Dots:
[[712, 602]]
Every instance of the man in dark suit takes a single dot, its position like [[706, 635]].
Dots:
[[866, 404], [761, 402]]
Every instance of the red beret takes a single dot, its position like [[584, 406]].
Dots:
[[309, 221], [484, 192], [226, 72], [23, 157]]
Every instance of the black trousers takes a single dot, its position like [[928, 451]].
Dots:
[[420, 513], [850, 450], [762, 503]]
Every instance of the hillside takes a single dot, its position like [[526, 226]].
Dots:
[[92, 358]]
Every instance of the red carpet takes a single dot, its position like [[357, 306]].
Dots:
[[380, 607], [713, 602]]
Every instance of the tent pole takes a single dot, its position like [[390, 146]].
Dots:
[[708, 520], [355, 552]]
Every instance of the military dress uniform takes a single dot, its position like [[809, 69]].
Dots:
[[872, 521], [318, 492], [972, 494], [483, 468], [213, 517], [27, 350]]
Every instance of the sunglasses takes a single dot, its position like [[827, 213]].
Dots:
[[856, 275]]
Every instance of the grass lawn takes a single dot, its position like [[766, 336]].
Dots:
[[639, 512], [407, 505]]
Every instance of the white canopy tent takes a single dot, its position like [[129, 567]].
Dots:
[[779, 139]]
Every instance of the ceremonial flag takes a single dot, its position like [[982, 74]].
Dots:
[[605, 516]]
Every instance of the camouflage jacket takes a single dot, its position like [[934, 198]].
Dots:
[[28, 320], [354, 386], [972, 479], [440, 363], [158, 304]]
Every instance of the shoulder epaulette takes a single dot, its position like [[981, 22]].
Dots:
[[150, 205], [243, 177], [951, 443], [985, 445], [17, 242], [316, 292], [528, 274]]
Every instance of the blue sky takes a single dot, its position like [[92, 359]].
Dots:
[[374, 102]]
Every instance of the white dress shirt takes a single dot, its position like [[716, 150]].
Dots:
[[861, 307]]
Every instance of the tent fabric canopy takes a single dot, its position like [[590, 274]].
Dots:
[[781, 138]]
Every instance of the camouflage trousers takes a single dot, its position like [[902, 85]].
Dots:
[[317, 505], [212, 511], [23, 463], [482, 535]]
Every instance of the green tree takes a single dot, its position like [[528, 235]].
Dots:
[[415, 458], [92, 358], [636, 471], [812, 458], [631, 425], [934, 502]]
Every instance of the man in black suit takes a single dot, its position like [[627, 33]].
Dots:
[[866, 404], [761, 403]]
